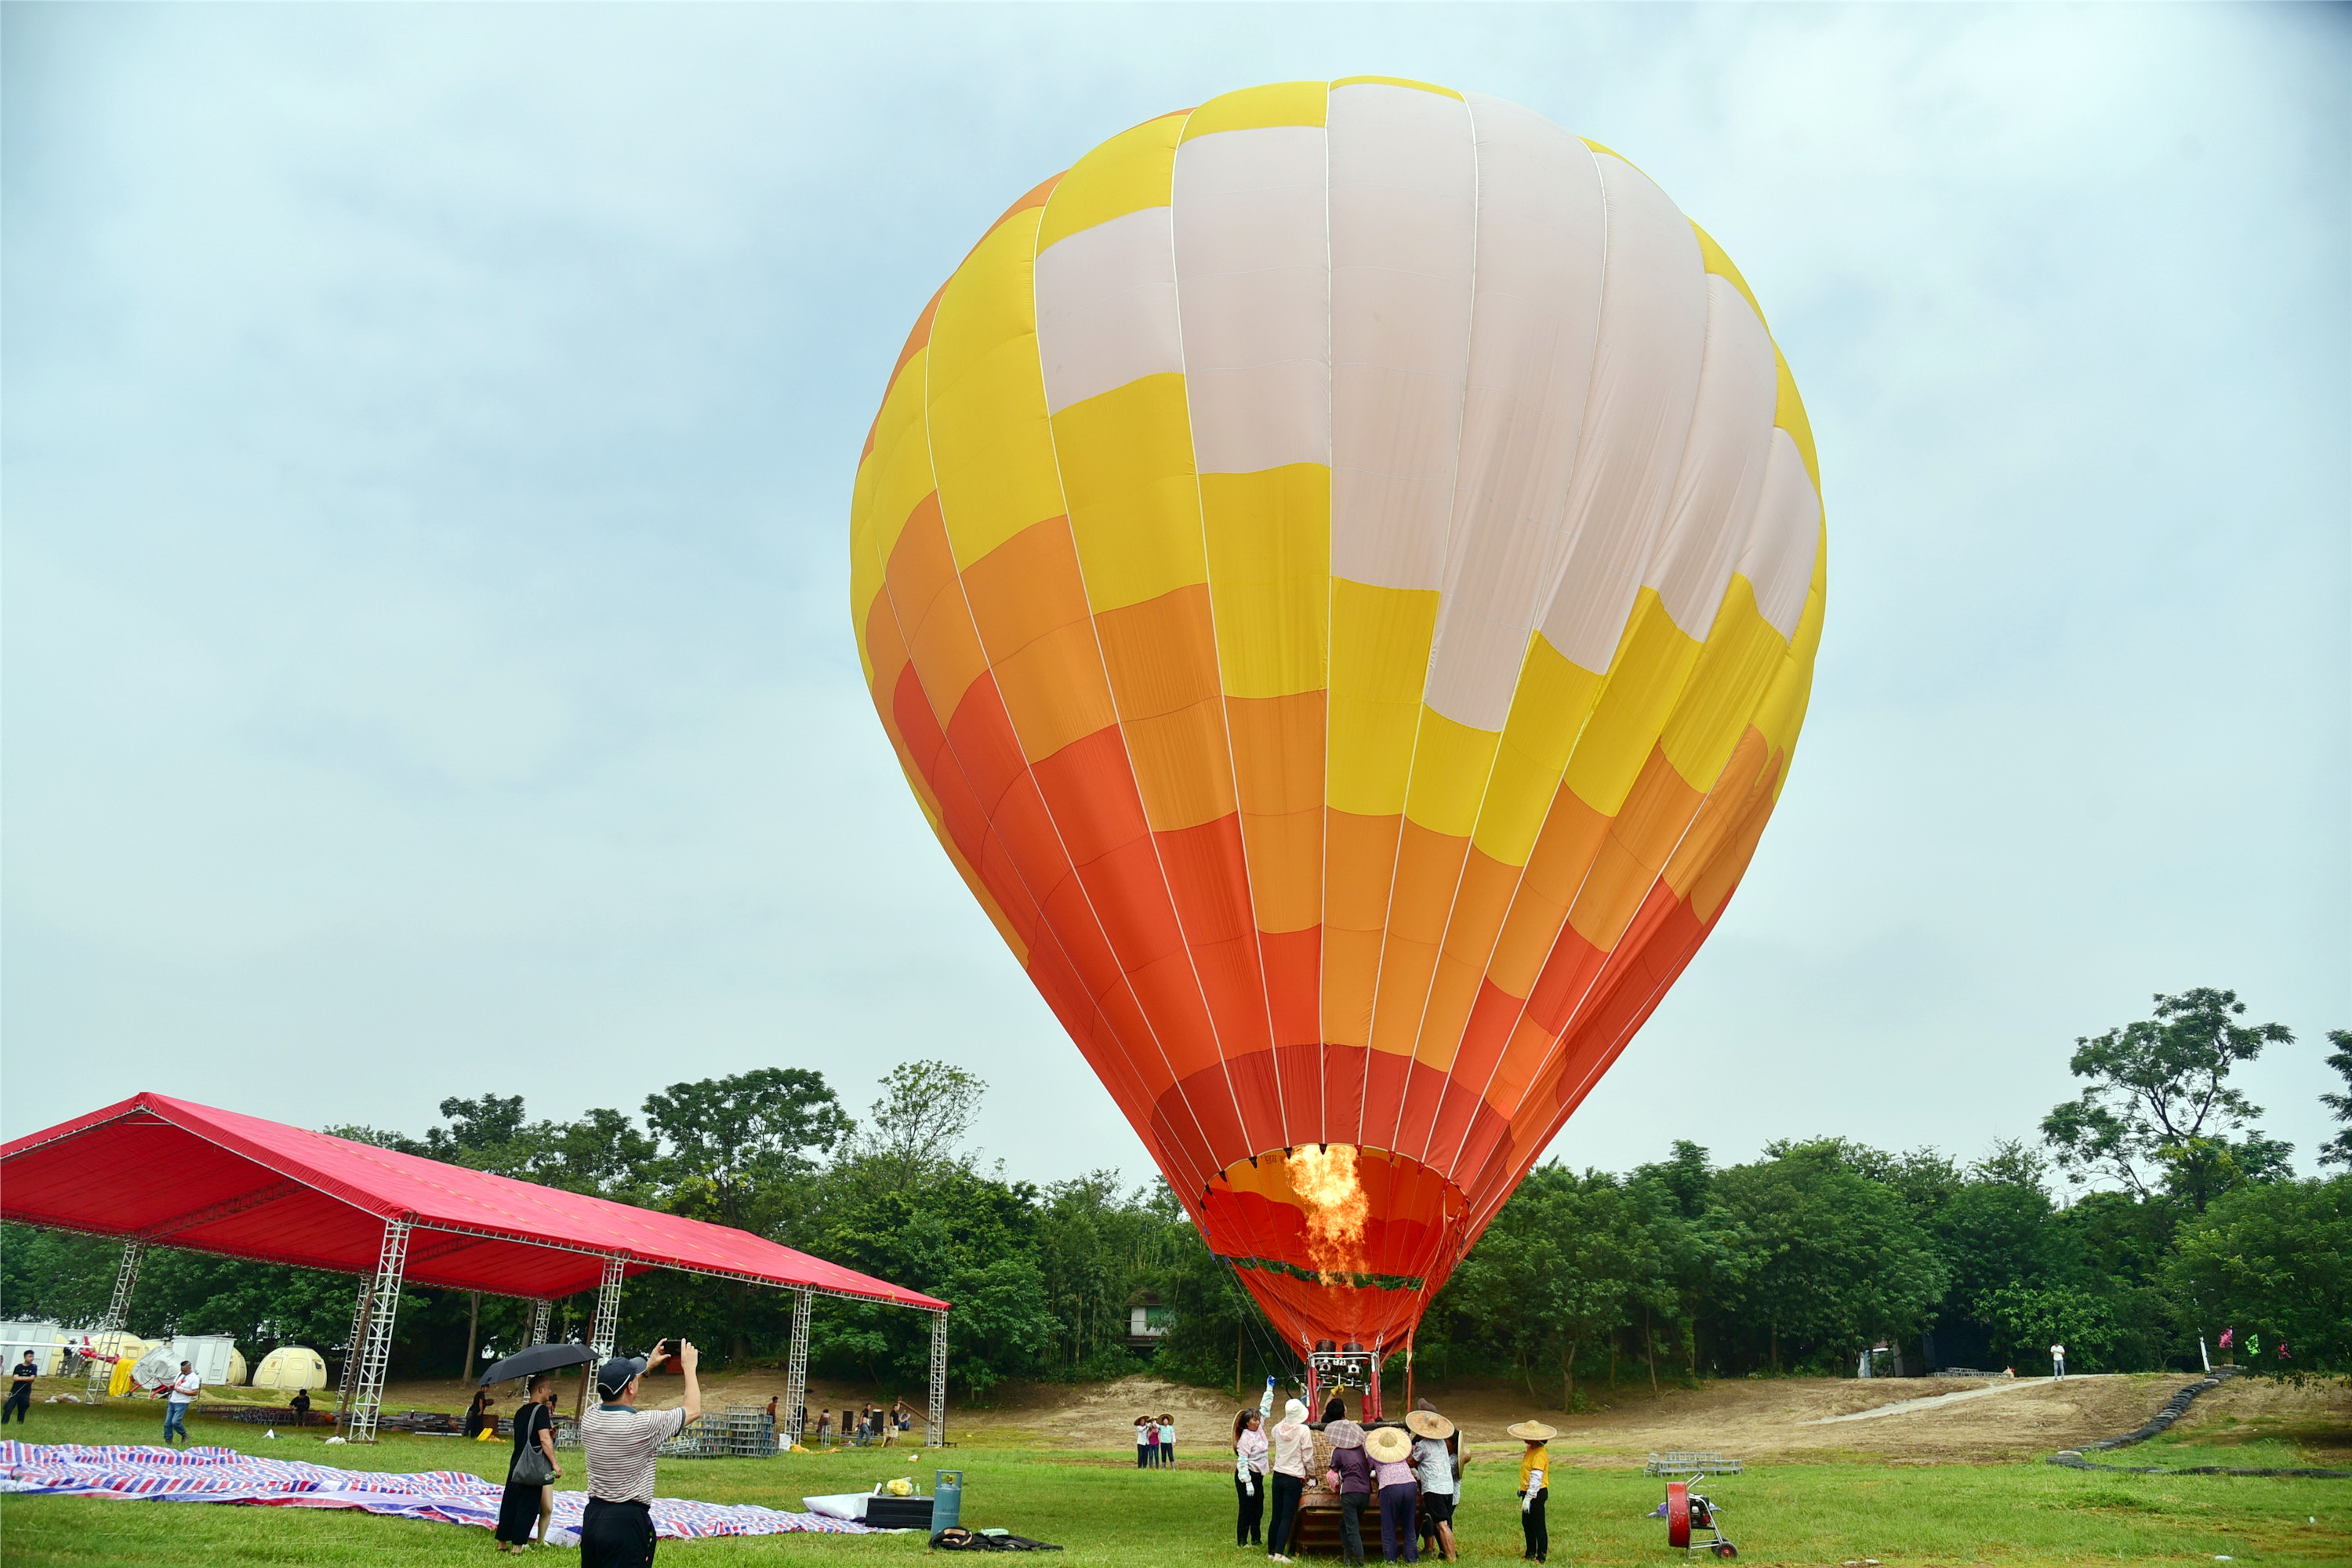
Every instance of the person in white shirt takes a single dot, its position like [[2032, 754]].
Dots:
[[2057, 1360], [177, 1395], [616, 1527]]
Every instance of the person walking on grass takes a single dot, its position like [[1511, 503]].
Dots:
[[1249, 1469], [1535, 1487], [178, 1395], [532, 1471], [616, 1530], [1351, 1478], [20, 1390], [1294, 1445], [1433, 1467]]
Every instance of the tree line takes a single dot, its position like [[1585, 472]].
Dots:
[[1797, 1261]]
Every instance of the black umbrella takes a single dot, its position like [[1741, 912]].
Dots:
[[539, 1358]]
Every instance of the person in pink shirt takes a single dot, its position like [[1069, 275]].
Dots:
[[1294, 1449], [1249, 1476]]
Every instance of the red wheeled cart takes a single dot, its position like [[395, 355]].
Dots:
[[1685, 1512]]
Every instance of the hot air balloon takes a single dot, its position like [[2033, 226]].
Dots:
[[1340, 568]]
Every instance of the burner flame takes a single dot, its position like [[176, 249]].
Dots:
[[1324, 1178]]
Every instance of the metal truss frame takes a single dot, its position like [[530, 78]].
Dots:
[[118, 1313], [372, 1349], [937, 1436], [221, 1211], [607, 1329], [796, 1370], [541, 1311]]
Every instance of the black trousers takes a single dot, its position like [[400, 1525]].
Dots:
[[1250, 1497], [1351, 1528], [1287, 1491], [1531, 1525], [20, 1402], [616, 1534]]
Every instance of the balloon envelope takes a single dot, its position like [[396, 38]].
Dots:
[[1340, 568]]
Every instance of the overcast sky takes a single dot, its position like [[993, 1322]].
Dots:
[[429, 439]]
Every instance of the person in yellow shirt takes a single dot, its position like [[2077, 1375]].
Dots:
[[1535, 1486]]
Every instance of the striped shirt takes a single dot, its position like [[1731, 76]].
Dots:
[[620, 1444]]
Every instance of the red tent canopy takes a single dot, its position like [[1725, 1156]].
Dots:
[[175, 1173]]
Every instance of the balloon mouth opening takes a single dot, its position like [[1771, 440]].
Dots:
[[1324, 1213]]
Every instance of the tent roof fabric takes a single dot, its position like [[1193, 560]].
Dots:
[[179, 1174]]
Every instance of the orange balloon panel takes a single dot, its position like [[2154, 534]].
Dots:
[[1341, 568]]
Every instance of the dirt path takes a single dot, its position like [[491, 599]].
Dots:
[[2005, 1386]]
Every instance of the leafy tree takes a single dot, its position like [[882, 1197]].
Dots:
[[358, 1134], [2274, 1259], [1094, 1247], [2026, 1321], [728, 1137], [2338, 1151], [1696, 1251], [925, 1109], [1840, 1259], [475, 1125], [1991, 1233], [55, 1275], [2158, 1111]]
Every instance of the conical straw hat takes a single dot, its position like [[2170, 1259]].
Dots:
[[1388, 1443], [1532, 1432], [1429, 1424]]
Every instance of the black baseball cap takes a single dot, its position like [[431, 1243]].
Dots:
[[616, 1375]]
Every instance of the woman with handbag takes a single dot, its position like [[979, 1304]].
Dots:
[[530, 1475]]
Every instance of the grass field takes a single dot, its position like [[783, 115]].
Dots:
[[1106, 1512]]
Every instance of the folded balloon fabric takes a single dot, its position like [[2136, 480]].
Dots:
[[445, 1496]]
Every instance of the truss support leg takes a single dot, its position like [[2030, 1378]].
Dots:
[[117, 1315], [352, 1351], [937, 1436], [797, 1371], [540, 1310], [603, 1329], [371, 1351], [606, 1329]]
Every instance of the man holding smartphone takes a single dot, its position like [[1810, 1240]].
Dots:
[[616, 1530]]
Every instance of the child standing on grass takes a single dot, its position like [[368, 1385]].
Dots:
[[1535, 1487]]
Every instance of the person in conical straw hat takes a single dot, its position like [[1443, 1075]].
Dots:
[[1433, 1467], [1390, 1450], [1535, 1486]]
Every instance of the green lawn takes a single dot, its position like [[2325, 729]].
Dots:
[[1108, 1512]]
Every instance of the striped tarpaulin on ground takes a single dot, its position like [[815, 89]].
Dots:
[[445, 1497]]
